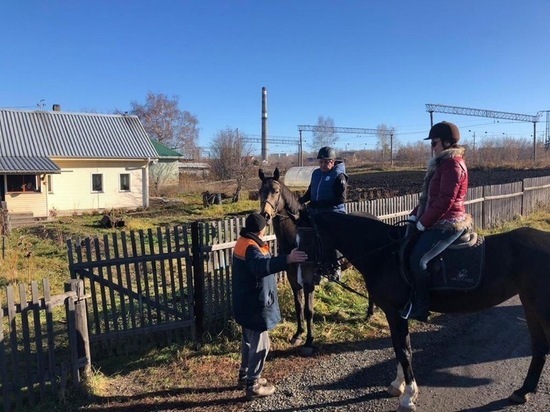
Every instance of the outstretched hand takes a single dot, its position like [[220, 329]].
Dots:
[[296, 256]]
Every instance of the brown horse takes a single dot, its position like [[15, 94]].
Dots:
[[516, 262], [280, 205]]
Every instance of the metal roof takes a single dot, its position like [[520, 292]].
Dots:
[[38, 135], [164, 151], [34, 164]]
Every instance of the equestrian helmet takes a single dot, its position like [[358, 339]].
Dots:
[[326, 152], [446, 131]]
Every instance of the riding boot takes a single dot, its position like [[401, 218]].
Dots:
[[418, 309]]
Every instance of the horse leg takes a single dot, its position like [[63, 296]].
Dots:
[[540, 338], [309, 290], [405, 383], [299, 309]]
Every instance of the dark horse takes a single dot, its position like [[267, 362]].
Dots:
[[280, 205], [516, 262]]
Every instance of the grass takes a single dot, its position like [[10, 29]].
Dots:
[[181, 376]]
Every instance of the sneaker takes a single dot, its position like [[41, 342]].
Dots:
[[259, 391], [241, 383]]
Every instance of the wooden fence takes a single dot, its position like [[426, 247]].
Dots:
[[175, 283], [38, 354]]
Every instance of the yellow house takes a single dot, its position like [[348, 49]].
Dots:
[[55, 163]]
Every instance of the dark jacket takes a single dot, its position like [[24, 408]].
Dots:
[[327, 191], [444, 191], [255, 300]]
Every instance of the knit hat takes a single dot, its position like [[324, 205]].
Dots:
[[254, 223], [446, 131]]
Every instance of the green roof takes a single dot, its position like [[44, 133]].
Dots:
[[165, 151]]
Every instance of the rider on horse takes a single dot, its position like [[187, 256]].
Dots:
[[327, 193], [440, 215]]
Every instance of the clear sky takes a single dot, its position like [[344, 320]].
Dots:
[[362, 63]]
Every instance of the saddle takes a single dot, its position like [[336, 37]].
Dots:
[[458, 267], [319, 253]]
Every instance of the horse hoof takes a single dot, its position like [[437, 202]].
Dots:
[[296, 341], [516, 397], [393, 391], [306, 350]]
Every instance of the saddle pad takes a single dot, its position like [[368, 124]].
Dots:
[[458, 269]]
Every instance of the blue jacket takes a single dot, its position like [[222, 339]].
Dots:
[[255, 299], [327, 191]]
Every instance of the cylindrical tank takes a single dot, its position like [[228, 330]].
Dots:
[[299, 176]]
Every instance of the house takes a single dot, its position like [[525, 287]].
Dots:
[[165, 172], [54, 162], [194, 169]]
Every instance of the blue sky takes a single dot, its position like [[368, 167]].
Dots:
[[362, 63]]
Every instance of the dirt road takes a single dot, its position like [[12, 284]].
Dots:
[[462, 363]]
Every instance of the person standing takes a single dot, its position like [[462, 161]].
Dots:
[[440, 216], [326, 193], [255, 301]]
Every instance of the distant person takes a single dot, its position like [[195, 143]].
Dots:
[[327, 193], [255, 301], [440, 215]]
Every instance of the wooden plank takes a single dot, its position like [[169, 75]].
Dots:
[[27, 356], [103, 292], [154, 276], [113, 306], [6, 387], [40, 366], [163, 287], [16, 389], [95, 305], [138, 277], [171, 269], [145, 279], [121, 297], [179, 263], [161, 327], [128, 274], [50, 334], [71, 328]]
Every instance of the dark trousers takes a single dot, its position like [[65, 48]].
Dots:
[[254, 349]]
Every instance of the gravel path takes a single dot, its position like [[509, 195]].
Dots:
[[462, 363]]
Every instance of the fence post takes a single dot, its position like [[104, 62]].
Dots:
[[198, 280], [81, 325]]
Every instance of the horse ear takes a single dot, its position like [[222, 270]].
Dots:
[[261, 174], [276, 174]]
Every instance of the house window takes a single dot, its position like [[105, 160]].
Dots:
[[97, 182], [49, 182], [124, 182], [21, 183]]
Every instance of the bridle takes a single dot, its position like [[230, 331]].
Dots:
[[274, 207]]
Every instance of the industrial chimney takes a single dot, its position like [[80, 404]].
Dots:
[[264, 124]]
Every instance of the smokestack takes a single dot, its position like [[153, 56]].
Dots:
[[56, 107], [264, 124]]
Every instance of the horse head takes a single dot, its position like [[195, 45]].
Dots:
[[275, 198]]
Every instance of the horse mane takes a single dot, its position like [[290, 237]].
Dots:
[[292, 204]]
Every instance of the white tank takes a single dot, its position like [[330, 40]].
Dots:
[[299, 176]]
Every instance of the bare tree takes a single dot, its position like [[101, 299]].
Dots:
[[165, 122], [386, 140], [231, 157], [325, 136]]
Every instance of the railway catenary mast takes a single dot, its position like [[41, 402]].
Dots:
[[264, 124], [466, 111]]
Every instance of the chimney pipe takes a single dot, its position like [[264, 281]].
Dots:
[[264, 125], [56, 107]]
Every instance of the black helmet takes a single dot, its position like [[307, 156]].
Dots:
[[446, 131], [326, 152]]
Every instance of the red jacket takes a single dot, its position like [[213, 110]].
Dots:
[[444, 192]]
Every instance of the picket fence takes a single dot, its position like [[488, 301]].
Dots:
[[174, 284]]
